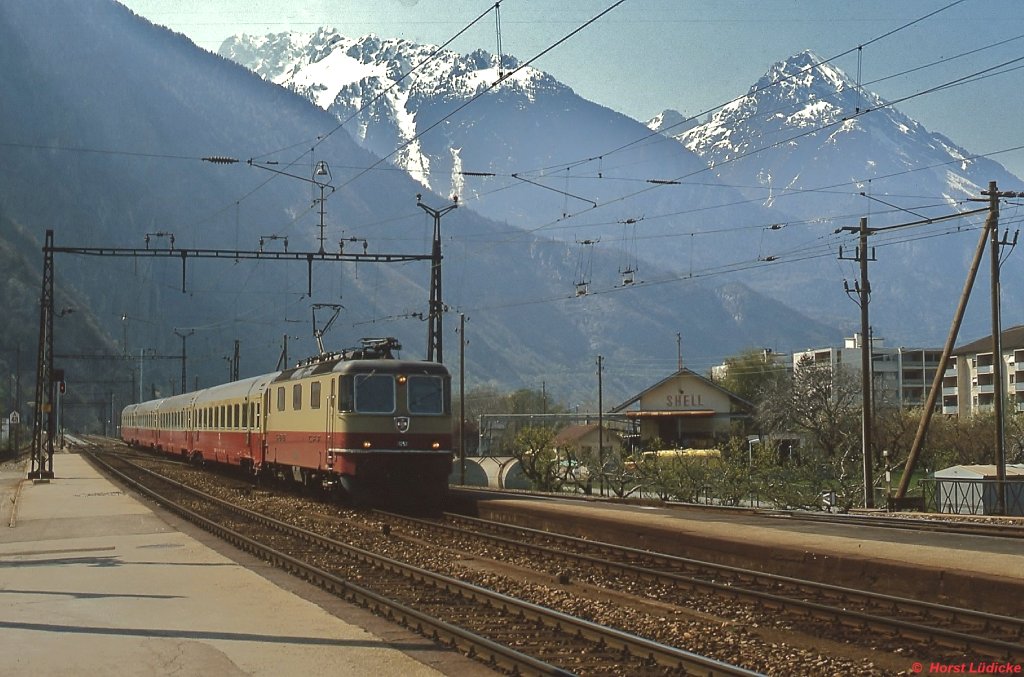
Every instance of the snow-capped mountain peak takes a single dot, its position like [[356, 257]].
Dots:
[[808, 71], [805, 141], [328, 62], [387, 85], [804, 113], [671, 122]]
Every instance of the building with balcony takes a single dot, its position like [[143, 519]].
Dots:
[[900, 376], [969, 383]]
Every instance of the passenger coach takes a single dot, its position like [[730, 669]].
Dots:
[[374, 428]]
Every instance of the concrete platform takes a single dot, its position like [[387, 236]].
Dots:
[[979, 572], [94, 581]]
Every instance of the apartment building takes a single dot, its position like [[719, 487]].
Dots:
[[968, 384], [901, 376]]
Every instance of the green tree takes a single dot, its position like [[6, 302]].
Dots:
[[499, 433], [894, 431], [1015, 438], [751, 373], [954, 440], [540, 462], [731, 483]]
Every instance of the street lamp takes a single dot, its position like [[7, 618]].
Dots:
[[751, 440], [888, 479]]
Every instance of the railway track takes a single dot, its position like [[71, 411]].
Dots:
[[507, 633], [935, 524], [758, 635], [819, 605], [948, 524]]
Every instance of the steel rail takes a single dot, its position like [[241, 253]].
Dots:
[[441, 631], [908, 629], [938, 525], [500, 654]]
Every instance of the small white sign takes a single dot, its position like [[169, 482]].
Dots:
[[15, 418]]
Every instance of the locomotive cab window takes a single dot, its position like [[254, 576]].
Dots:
[[374, 393], [346, 393], [426, 395], [314, 395]]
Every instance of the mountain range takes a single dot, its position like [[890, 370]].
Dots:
[[106, 121], [770, 178], [512, 142], [834, 152]]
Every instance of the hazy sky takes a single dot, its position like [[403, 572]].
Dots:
[[647, 55]]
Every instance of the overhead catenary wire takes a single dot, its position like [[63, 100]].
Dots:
[[822, 250], [236, 203], [375, 165], [866, 43], [823, 127], [485, 90], [725, 268], [962, 80]]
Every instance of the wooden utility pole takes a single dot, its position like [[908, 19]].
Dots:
[[865, 367], [863, 290], [462, 398], [600, 417], [999, 390], [991, 225]]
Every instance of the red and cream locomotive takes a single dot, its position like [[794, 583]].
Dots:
[[375, 428]]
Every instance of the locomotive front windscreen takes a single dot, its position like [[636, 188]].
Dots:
[[374, 393], [426, 395]]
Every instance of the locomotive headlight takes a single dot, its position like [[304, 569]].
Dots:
[[367, 444], [401, 379], [435, 445]]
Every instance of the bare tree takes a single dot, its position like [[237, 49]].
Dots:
[[821, 404]]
